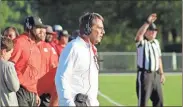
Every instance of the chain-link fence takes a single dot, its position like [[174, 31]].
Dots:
[[125, 62]]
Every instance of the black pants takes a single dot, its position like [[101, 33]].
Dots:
[[148, 85], [26, 98], [45, 100]]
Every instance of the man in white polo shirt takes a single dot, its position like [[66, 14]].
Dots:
[[150, 73], [77, 73]]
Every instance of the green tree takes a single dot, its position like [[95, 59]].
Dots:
[[12, 13]]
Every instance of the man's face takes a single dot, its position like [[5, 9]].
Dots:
[[10, 34], [49, 37], [97, 31], [64, 40], [151, 34], [40, 34]]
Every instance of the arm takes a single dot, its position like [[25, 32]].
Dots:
[[17, 50], [162, 75], [161, 66], [64, 75], [53, 58], [16, 55], [143, 28], [141, 32], [11, 78]]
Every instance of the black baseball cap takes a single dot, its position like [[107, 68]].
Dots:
[[152, 27], [35, 21]]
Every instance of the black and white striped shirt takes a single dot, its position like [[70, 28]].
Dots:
[[148, 54]]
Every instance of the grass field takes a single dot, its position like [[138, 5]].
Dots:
[[121, 89]]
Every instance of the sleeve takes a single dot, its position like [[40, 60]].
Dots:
[[16, 52], [53, 58], [11, 79], [139, 43], [15, 56], [64, 74], [159, 48]]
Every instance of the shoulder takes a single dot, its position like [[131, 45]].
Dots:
[[20, 39], [47, 45], [74, 47], [7, 64], [156, 41], [141, 43]]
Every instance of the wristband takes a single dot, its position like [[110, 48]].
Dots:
[[147, 22]]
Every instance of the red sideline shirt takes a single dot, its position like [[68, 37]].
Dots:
[[45, 50], [59, 49], [54, 42], [49, 63], [27, 59]]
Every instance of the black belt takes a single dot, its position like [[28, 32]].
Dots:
[[144, 70]]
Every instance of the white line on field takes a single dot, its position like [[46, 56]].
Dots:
[[109, 99]]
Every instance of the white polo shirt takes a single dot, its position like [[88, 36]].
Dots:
[[77, 72]]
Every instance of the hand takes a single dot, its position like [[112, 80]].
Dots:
[[162, 78], [38, 100], [152, 18]]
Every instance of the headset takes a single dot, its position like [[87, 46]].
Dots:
[[27, 25], [87, 26]]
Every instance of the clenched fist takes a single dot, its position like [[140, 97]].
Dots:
[[152, 18]]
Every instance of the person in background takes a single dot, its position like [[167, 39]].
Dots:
[[11, 32], [62, 41], [57, 29], [27, 59], [9, 81], [46, 84], [49, 34], [150, 74], [74, 35]]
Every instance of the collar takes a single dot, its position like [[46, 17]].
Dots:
[[88, 44], [151, 41], [83, 41]]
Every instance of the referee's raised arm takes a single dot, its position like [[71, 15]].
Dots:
[[143, 28]]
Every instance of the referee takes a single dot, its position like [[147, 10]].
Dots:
[[150, 73]]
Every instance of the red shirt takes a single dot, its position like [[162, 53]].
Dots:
[[45, 50], [53, 44], [49, 63], [59, 49], [27, 59]]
